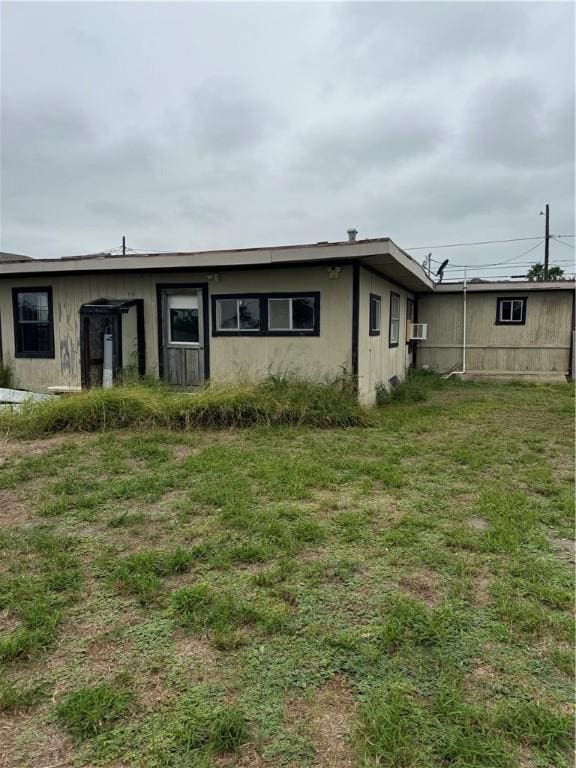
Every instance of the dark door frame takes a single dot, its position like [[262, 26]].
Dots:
[[203, 287]]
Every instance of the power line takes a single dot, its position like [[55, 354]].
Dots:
[[480, 242], [507, 261], [568, 245]]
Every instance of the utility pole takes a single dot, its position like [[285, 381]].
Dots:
[[124, 242], [547, 242], [429, 258]]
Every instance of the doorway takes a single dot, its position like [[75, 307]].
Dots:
[[183, 334]]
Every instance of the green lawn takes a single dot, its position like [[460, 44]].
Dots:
[[397, 595]]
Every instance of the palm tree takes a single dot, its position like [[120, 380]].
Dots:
[[536, 273]]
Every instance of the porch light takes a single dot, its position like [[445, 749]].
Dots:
[[333, 273]]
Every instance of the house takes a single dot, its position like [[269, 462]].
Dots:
[[514, 329], [323, 310]]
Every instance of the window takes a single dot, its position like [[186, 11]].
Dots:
[[511, 311], [375, 314], [291, 314], [33, 325], [266, 314], [238, 314], [394, 328], [183, 316]]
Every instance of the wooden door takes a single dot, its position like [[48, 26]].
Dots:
[[183, 335]]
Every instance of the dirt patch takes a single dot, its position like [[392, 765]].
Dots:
[[424, 585], [565, 547], [10, 448], [478, 523], [481, 587], [325, 718], [481, 678], [28, 742], [247, 757], [197, 656], [8, 623], [13, 512]]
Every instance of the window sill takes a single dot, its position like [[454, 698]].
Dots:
[[34, 355]]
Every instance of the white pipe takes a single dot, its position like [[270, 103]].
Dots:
[[464, 311], [464, 308], [107, 372]]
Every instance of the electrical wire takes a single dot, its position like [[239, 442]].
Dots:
[[480, 242], [568, 245], [501, 263]]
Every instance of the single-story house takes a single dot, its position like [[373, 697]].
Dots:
[[358, 308]]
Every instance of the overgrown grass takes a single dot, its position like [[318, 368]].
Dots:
[[6, 376], [395, 595], [416, 388], [273, 402]]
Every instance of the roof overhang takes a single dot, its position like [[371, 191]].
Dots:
[[381, 255], [518, 286]]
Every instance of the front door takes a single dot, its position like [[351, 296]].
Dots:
[[93, 328], [182, 335]]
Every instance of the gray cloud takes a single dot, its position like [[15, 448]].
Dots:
[[193, 126]]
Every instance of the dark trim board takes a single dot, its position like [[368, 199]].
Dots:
[[205, 320], [500, 299], [49, 354], [263, 299], [393, 344]]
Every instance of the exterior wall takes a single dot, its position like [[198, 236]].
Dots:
[[541, 346], [377, 361], [230, 358]]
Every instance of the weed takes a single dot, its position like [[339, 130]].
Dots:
[[89, 710], [16, 697]]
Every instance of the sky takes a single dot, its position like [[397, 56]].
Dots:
[[193, 126]]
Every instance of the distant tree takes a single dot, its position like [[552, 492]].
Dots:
[[536, 272]]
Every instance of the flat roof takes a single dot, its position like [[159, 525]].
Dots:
[[379, 254], [506, 286]]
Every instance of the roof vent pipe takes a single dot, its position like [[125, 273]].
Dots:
[[352, 234]]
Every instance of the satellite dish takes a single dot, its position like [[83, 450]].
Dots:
[[441, 268]]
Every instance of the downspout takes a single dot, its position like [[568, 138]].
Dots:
[[464, 310], [464, 313]]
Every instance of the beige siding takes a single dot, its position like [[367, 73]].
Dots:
[[327, 355], [230, 358], [377, 361], [542, 345]]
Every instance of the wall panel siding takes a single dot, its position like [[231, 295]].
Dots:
[[324, 356], [542, 345], [377, 361]]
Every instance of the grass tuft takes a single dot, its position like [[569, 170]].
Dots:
[[89, 710], [287, 401]]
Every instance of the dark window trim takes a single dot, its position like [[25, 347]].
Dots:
[[392, 344], [160, 320], [49, 353], [411, 343], [263, 299], [500, 299], [374, 297]]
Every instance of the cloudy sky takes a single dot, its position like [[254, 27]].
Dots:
[[192, 126]]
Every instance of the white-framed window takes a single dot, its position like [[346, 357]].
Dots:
[[183, 328], [394, 327], [291, 313], [375, 314], [511, 310], [238, 314]]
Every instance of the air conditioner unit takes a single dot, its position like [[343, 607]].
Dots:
[[418, 332]]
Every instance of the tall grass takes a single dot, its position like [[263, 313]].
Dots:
[[416, 388], [274, 401], [6, 377]]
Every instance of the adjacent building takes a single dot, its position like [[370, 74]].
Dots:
[[359, 308]]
